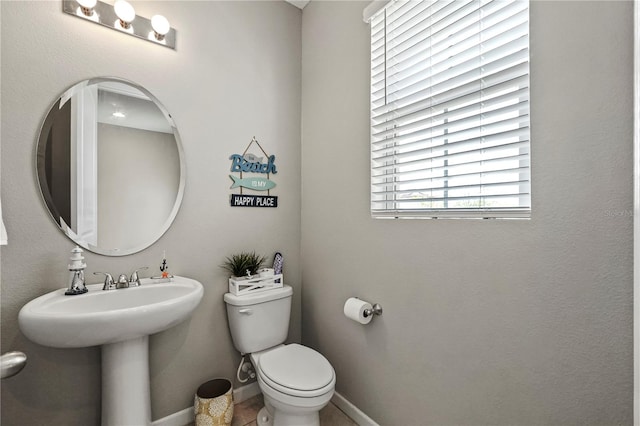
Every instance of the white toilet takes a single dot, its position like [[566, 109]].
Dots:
[[296, 381]]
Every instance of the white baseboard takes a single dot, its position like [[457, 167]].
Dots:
[[181, 418], [245, 392], [352, 411], [185, 417]]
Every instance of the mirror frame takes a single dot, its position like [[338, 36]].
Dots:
[[41, 145]]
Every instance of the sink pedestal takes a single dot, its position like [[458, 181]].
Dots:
[[126, 395]]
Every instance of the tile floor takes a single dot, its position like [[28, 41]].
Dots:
[[245, 413]]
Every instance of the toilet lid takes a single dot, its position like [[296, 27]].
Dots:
[[297, 367]]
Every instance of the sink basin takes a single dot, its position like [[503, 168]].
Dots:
[[100, 317], [120, 321]]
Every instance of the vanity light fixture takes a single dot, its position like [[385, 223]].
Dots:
[[86, 7], [125, 13], [122, 16], [160, 26], [86, 10]]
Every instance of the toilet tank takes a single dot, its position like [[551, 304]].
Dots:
[[259, 321]]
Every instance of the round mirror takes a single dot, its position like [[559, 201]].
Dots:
[[110, 166]]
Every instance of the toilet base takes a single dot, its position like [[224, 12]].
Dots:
[[264, 418], [270, 415]]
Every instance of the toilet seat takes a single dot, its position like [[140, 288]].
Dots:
[[297, 371]]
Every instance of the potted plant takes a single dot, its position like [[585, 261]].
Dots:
[[243, 265]]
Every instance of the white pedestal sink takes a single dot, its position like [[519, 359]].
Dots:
[[120, 321]]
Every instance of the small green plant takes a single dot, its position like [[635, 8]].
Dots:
[[241, 264]]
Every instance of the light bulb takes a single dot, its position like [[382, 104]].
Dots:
[[89, 4], [160, 26], [86, 6], [125, 12]]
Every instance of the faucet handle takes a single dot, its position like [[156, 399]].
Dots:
[[108, 281], [135, 279]]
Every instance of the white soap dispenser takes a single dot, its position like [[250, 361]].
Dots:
[[76, 273]]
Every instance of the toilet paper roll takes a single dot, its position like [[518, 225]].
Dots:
[[354, 309]]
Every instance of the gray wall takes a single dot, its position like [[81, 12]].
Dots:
[[236, 74], [485, 321], [532, 324]]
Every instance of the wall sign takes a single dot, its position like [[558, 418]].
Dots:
[[239, 200], [254, 175]]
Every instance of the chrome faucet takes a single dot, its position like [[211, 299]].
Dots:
[[123, 282]]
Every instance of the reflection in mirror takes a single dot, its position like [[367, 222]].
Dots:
[[110, 166]]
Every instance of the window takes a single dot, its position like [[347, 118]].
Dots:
[[450, 109]]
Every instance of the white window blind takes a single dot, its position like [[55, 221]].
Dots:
[[450, 109]]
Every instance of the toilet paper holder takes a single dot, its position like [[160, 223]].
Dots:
[[376, 309]]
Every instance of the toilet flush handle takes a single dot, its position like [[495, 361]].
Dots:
[[246, 311]]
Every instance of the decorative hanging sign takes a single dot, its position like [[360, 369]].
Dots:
[[257, 184], [248, 165]]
